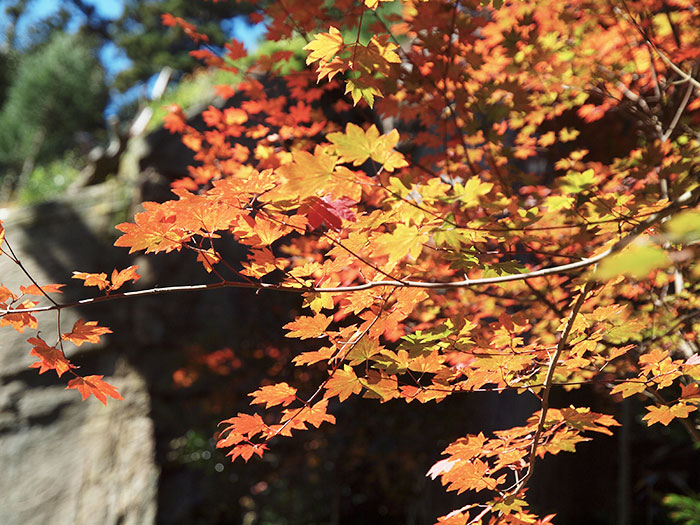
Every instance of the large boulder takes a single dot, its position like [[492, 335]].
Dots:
[[65, 461]]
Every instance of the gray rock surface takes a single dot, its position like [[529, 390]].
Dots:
[[62, 460]]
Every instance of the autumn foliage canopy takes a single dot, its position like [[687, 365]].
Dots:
[[521, 215]]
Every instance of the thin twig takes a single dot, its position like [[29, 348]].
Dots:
[[16, 260], [548, 385], [679, 112]]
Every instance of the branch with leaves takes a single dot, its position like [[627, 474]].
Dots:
[[526, 133]]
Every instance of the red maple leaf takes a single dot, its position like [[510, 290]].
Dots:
[[328, 211]]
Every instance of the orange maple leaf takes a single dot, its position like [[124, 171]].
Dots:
[[240, 428], [85, 332], [93, 279], [121, 277], [20, 320], [629, 388], [309, 358], [343, 384], [665, 414], [273, 395], [316, 414], [308, 327], [6, 294], [36, 290], [93, 385], [246, 451], [154, 230], [50, 357], [469, 475], [403, 241]]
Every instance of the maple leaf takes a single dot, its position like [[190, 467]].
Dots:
[[343, 384], [404, 240], [385, 154], [377, 56], [93, 385], [470, 475], [355, 145], [629, 388], [241, 425], [85, 332], [6, 294], [331, 69], [20, 320], [155, 230], [690, 391], [127, 274], [44, 289], [583, 419], [314, 415], [363, 351], [235, 50], [306, 175], [441, 467], [273, 395], [326, 210], [261, 262], [308, 327], [664, 414], [381, 385], [318, 301], [309, 358], [324, 46], [175, 121], [93, 279], [50, 357], [246, 451], [363, 88]]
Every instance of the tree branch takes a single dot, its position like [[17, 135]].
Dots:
[[689, 198], [548, 384]]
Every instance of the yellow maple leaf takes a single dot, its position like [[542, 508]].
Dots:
[[324, 46], [403, 241], [356, 146], [305, 176]]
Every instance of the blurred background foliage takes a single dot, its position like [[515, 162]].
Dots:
[[68, 65]]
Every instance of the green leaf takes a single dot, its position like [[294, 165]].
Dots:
[[684, 227], [575, 182], [636, 261]]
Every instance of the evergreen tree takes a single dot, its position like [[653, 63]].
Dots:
[[151, 46], [57, 91]]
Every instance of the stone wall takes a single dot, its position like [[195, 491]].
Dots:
[[65, 461]]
